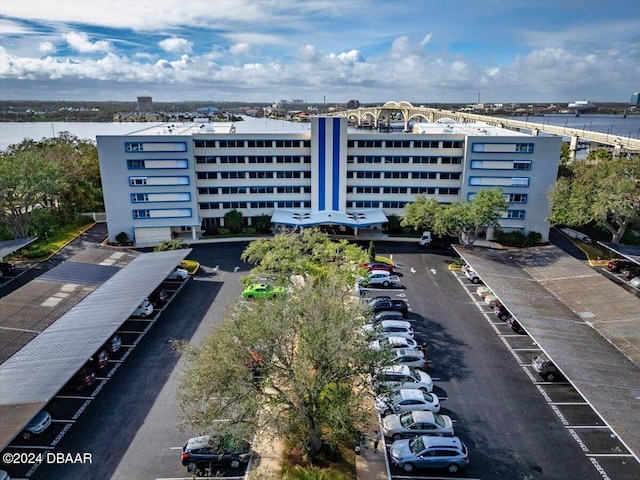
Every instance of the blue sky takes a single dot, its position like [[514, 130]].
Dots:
[[423, 51]]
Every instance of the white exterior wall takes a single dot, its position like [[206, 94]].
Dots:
[[361, 171]]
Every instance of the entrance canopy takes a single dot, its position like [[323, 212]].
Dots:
[[307, 218]]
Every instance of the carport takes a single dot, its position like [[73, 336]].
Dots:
[[37, 372], [629, 252], [8, 247], [586, 324]]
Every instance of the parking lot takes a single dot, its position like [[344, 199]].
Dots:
[[515, 424]]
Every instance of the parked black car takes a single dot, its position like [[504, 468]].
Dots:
[[200, 453], [630, 271], [7, 268], [386, 315], [398, 305], [617, 265]]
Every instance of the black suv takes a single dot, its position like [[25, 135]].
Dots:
[[7, 268], [546, 369], [200, 453], [397, 305]]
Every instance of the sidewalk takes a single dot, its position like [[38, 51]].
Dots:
[[371, 464]]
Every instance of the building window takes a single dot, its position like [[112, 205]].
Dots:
[[524, 147], [393, 204], [260, 190], [522, 165], [395, 190], [367, 204], [426, 144], [448, 191], [451, 160], [396, 159], [260, 143], [260, 159], [367, 174], [134, 146], [208, 190], [515, 214], [450, 176], [232, 159], [517, 198], [135, 164], [260, 175], [227, 175], [139, 197], [424, 175], [207, 175], [205, 159], [366, 190], [425, 159], [135, 181], [231, 143], [423, 190], [141, 214], [396, 174]]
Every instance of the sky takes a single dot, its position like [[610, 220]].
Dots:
[[422, 51]]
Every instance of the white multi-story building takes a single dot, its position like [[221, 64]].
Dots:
[[176, 178]]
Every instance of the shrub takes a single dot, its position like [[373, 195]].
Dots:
[[517, 239], [123, 238]]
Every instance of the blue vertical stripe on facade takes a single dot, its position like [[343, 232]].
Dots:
[[335, 187], [321, 163]]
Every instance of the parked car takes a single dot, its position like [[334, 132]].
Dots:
[[501, 312], [200, 453], [472, 275], [388, 328], [378, 266], [114, 344], [376, 277], [483, 291], [425, 451], [491, 300], [7, 268], [409, 424], [617, 265], [635, 282], [545, 368], [262, 290], [84, 378], [386, 315], [515, 325], [393, 342], [37, 425], [144, 310], [406, 400], [101, 359], [631, 271], [178, 274], [159, 298], [395, 304], [411, 357], [400, 376]]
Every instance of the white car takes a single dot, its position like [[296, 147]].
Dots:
[[144, 310], [393, 342], [406, 400], [410, 424], [483, 291], [635, 282], [411, 357], [377, 277], [472, 276], [400, 376], [491, 300], [388, 328], [178, 274]]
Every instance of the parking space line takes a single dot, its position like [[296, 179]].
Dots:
[[33, 447], [74, 397], [131, 332], [608, 454], [62, 421], [568, 403], [587, 426]]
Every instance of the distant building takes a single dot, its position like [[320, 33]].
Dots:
[[297, 101], [145, 104], [635, 99], [207, 110], [185, 177]]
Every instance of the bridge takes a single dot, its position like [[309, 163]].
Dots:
[[405, 111]]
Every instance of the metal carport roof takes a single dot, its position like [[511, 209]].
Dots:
[[36, 373], [630, 252], [8, 247], [586, 324]]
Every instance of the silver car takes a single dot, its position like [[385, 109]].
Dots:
[[406, 400], [400, 376], [37, 425], [430, 452], [410, 424]]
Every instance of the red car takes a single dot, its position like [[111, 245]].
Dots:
[[378, 266], [617, 265]]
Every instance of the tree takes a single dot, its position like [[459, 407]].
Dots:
[[465, 220], [165, 245], [309, 253], [606, 192], [371, 252], [294, 365], [28, 181], [233, 220], [262, 223]]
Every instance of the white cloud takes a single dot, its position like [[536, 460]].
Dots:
[[7, 27], [46, 47], [240, 48], [425, 40], [80, 42], [176, 45]]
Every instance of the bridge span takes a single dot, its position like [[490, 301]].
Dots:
[[375, 116]]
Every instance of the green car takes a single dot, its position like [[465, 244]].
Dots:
[[262, 290]]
